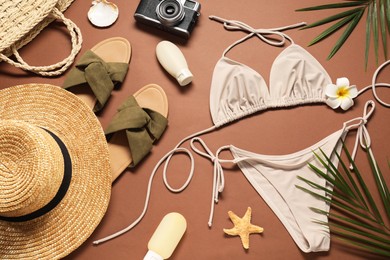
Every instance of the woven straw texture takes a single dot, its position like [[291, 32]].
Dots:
[[59, 232], [29, 155], [22, 20]]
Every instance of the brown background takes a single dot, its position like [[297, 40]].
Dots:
[[270, 132]]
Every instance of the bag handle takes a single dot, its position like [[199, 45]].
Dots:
[[54, 69]]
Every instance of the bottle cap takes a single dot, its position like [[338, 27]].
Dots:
[[184, 77], [150, 255]]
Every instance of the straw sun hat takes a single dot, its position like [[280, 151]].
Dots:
[[55, 178]]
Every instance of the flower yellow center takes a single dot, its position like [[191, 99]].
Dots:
[[342, 92]]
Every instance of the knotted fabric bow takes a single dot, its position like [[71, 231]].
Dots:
[[143, 127], [101, 76]]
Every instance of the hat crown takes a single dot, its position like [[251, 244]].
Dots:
[[31, 168], [62, 225]]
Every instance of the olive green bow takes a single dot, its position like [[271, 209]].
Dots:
[[143, 127], [101, 76]]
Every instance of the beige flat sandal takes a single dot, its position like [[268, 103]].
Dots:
[[99, 70], [139, 122]]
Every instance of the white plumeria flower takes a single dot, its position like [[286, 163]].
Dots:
[[341, 94]]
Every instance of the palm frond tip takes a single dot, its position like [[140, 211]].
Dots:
[[377, 24], [355, 217]]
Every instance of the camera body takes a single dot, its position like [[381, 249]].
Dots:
[[174, 16]]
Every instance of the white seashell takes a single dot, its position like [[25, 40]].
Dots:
[[103, 13]]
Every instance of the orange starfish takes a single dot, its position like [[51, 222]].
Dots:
[[243, 227]]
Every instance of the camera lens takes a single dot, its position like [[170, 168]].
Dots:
[[170, 12]]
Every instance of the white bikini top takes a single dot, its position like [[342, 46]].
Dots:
[[296, 78]]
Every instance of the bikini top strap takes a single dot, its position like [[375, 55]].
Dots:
[[374, 84], [261, 33]]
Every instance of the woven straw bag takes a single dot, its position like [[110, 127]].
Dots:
[[22, 20]]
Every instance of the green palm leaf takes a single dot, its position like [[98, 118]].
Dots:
[[360, 238], [355, 190], [331, 6], [383, 26], [351, 26], [341, 197], [355, 217], [382, 187], [331, 169], [365, 189], [387, 14], [375, 29], [332, 18], [354, 221], [340, 205], [368, 35], [378, 19], [331, 29], [375, 250]]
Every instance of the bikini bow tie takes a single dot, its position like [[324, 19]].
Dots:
[[362, 135], [261, 33], [100, 76], [218, 176]]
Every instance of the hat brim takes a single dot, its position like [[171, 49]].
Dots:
[[69, 224]]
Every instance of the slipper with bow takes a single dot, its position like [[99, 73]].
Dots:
[[98, 71], [139, 122]]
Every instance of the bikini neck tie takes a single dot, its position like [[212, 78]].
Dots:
[[261, 33]]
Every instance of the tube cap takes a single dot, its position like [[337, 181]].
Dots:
[[150, 255], [184, 77]]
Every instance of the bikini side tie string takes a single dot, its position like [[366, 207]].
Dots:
[[362, 135], [261, 33], [164, 160], [218, 176]]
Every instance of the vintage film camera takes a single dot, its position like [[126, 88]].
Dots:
[[175, 16]]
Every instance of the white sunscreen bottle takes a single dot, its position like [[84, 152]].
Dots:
[[173, 61], [166, 237]]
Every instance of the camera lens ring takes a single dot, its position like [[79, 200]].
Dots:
[[170, 12]]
